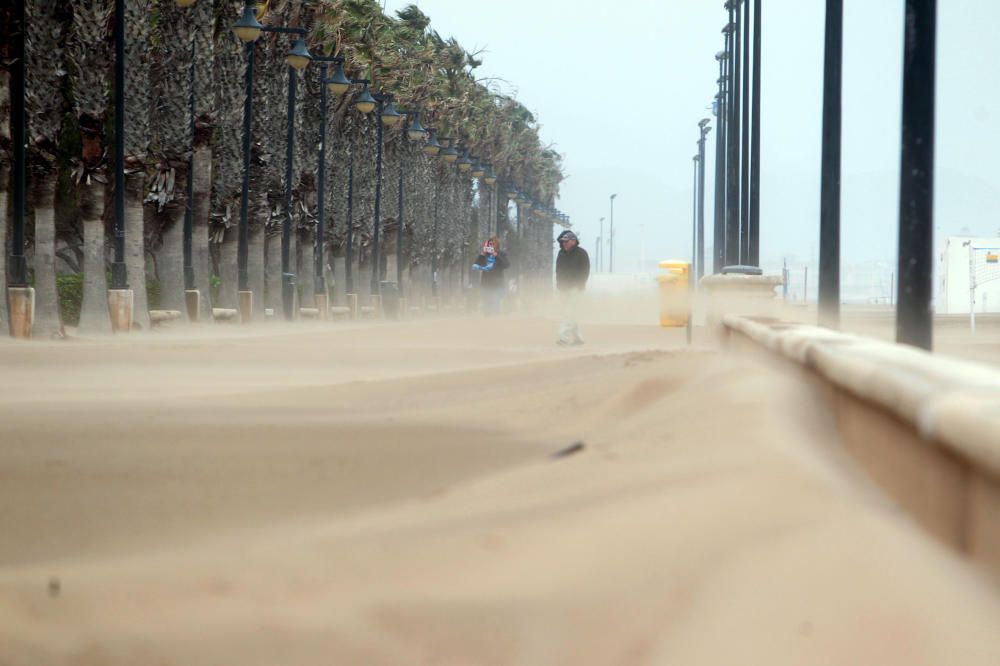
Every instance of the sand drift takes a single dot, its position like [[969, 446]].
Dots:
[[450, 491]]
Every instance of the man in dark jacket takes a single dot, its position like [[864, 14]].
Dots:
[[572, 271]]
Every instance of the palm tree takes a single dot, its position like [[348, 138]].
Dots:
[[267, 170], [229, 66], [202, 25], [44, 101], [6, 146], [137, 131], [88, 51], [171, 144]]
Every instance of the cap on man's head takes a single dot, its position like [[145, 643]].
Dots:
[[567, 235]]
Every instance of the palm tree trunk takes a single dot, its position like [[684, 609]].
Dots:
[[94, 317], [4, 179], [255, 269], [272, 286], [201, 257], [135, 247], [48, 323], [170, 261], [228, 279], [307, 268]]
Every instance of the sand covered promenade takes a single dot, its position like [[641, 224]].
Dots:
[[385, 494]]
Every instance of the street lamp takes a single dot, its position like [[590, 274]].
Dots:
[[829, 216], [19, 293], [248, 29], [732, 32], [415, 133], [364, 103], [464, 163], [338, 84], [600, 247], [703, 130], [448, 152], [611, 233], [914, 314], [721, 123], [433, 147], [490, 178], [380, 103]]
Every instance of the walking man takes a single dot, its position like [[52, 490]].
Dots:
[[572, 271]]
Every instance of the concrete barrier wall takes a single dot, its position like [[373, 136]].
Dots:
[[925, 427]]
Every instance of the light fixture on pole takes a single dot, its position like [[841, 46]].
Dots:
[[433, 147]]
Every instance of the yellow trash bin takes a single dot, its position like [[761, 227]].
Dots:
[[675, 297]]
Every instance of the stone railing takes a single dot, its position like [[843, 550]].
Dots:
[[925, 427]]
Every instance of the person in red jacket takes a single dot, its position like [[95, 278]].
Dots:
[[572, 271]]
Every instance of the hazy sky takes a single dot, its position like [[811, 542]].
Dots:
[[619, 88]]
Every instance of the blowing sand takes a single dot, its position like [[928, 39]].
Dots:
[[389, 494]]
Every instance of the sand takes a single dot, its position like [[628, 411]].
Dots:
[[377, 493]]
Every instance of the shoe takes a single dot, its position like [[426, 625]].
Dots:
[[577, 342], [563, 343]]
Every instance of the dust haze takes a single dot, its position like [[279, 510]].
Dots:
[[451, 489]]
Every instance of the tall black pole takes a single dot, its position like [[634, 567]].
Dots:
[[745, 148], [287, 276], [695, 264], [829, 216], [119, 273], [376, 260], [700, 249], [914, 316], [399, 222], [719, 238], [754, 249], [242, 250], [349, 240], [319, 256], [17, 265], [434, 241], [611, 233], [733, 145], [189, 208]]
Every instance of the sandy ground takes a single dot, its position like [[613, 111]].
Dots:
[[391, 494]]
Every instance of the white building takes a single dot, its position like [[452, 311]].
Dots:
[[966, 261]]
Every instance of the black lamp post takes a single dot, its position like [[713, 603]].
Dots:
[[189, 285], [387, 116], [611, 235], [248, 29], [17, 263], [490, 178], [448, 155], [415, 133], [719, 237], [829, 217], [338, 84], [754, 258], [703, 130], [914, 317], [745, 143], [349, 239], [733, 136], [119, 273]]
